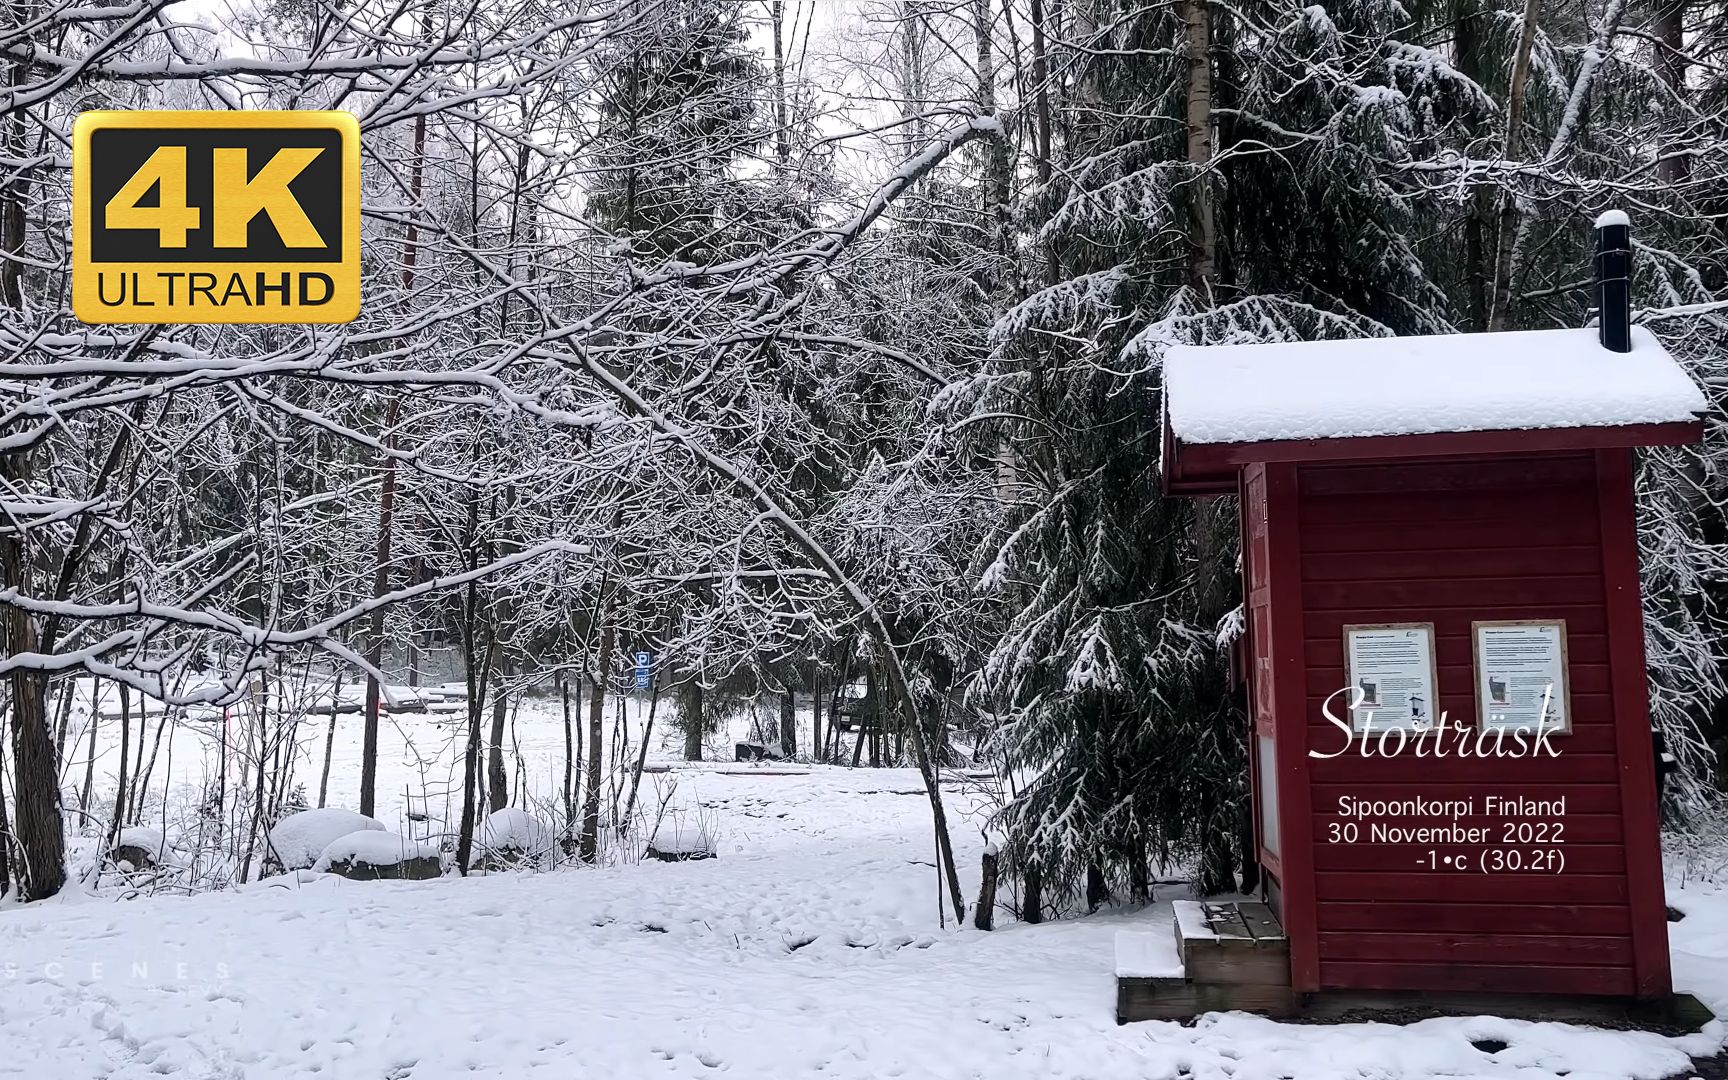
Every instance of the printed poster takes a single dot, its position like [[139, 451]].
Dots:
[[1391, 671], [1521, 675]]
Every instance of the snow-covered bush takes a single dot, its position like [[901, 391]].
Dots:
[[370, 854], [299, 839]]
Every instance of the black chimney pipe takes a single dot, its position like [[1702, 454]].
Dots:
[[1613, 290]]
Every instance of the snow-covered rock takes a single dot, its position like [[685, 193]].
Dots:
[[369, 854], [299, 839], [677, 840], [138, 848], [513, 835]]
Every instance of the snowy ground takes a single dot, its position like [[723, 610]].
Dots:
[[809, 948]]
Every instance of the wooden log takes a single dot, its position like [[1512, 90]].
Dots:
[[984, 918]]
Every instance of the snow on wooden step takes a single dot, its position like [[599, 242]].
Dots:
[[1191, 921], [1142, 954]]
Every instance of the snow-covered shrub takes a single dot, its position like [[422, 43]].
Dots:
[[1699, 848], [298, 839], [370, 855]]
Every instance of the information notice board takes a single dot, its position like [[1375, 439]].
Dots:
[[1520, 672], [1391, 674]]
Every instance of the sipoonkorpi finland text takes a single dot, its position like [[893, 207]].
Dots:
[[1490, 806]]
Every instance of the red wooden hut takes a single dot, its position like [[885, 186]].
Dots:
[[1440, 567]]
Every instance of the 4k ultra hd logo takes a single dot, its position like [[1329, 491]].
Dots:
[[216, 217]]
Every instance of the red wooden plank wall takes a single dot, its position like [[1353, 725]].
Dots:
[[1451, 541]]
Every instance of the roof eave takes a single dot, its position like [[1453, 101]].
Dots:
[[1212, 468]]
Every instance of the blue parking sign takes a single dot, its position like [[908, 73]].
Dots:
[[644, 668]]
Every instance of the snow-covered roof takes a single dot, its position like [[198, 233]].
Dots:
[[1508, 381]]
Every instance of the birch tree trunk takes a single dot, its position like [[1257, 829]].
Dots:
[[1513, 147], [1202, 228], [999, 171], [1570, 121]]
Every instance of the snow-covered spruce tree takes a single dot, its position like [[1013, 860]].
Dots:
[[680, 97], [1119, 738], [1613, 115]]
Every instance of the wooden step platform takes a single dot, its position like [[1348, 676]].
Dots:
[[1226, 956], [1235, 956]]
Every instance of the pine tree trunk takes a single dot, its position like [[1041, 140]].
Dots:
[[1475, 273], [1097, 889], [788, 724], [40, 831], [695, 722], [35, 781], [1672, 64], [15, 186], [1140, 878], [589, 847], [1032, 903]]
